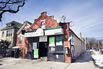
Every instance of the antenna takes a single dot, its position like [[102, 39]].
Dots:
[[63, 18]]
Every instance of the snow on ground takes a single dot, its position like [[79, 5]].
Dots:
[[98, 58]]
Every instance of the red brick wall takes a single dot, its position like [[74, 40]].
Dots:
[[50, 22], [67, 57]]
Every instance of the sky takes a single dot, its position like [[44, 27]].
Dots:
[[86, 15]]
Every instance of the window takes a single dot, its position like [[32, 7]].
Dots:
[[72, 40], [9, 33], [6, 33], [3, 34], [59, 40], [51, 49], [8, 25]]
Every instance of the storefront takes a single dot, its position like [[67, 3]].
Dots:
[[56, 48], [48, 44], [47, 38]]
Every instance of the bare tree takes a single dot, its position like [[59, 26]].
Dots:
[[100, 44], [93, 43], [11, 6]]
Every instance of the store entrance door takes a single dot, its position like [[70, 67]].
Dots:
[[43, 49]]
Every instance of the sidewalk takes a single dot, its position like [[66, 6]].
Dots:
[[83, 62], [84, 57]]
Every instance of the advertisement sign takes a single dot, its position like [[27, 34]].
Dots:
[[43, 39], [36, 53], [51, 41]]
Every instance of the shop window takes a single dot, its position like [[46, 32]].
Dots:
[[51, 41], [51, 49], [59, 48], [59, 40]]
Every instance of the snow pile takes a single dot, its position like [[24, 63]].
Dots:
[[98, 58]]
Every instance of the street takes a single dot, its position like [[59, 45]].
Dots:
[[83, 62]]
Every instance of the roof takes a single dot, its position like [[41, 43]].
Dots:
[[13, 24], [76, 35], [24, 24]]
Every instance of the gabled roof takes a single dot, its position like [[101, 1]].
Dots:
[[24, 24], [14, 25]]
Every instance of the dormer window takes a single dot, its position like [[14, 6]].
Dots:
[[8, 25]]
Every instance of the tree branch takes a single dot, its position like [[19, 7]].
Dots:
[[2, 10]]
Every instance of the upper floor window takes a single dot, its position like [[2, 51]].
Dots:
[[9, 33], [3, 34]]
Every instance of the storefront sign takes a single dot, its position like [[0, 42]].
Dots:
[[43, 39], [51, 41], [38, 32], [54, 31]]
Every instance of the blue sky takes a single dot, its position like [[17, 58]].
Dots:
[[86, 15]]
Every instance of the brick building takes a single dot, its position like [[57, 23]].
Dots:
[[47, 38]]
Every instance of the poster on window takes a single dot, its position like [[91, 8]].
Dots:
[[34, 45], [52, 49], [51, 41], [58, 41], [36, 53]]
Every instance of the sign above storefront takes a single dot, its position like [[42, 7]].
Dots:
[[43, 39], [55, 31], [38, 32]]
